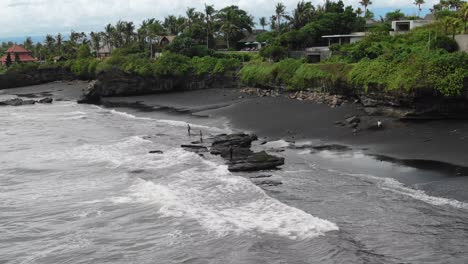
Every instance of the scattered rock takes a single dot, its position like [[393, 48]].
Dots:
[[46, 100], [353, 120], [156, 152], [259, 176], [255, 162], [195, 148], [17, 102], [268, 182]]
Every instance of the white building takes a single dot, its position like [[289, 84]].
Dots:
[[404, 26], [345, 39]]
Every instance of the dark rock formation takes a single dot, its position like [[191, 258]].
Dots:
[[118, 83], [46, 100], [267, 182], [156, 152], [243, 159], [33, 77], [195, 148], [17, 102]]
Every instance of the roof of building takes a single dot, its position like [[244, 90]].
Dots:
[[17, 49], [23, 57], [170, 38], [354, 34]]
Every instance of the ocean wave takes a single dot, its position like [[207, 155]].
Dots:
[[223, 203], [395, 186], [166, 121], [277, 144]]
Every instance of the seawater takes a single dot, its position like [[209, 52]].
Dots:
[[78, 185]]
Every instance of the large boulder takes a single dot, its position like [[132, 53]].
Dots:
[[235, 148]]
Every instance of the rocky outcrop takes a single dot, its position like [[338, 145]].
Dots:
[[118, 83], [19, 101], [235, 149], [33, 77], [420, 104]]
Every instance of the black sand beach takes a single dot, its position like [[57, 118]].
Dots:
[[410, 142], [284, 118]]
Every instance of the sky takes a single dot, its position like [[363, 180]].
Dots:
[[21, 18]]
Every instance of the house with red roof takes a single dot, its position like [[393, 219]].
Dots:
[[17, 52]]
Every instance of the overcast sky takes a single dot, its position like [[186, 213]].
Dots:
[[39, 17]]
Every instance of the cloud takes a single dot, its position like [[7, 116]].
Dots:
[[38, 17]]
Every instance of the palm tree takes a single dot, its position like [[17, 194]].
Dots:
[[155, 31], [228, 26], [418, 3], [209, 12], [28, 43], [95, 41], [302, 14], [191, 16], [107, 36], [464, 16], [49, 42], [262, 21], [233, 22], [365, 4], [59, 40], [128, 32], [273, 22], [359, 11], [280, 11]]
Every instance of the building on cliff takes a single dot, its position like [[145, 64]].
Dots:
[[17, 54]]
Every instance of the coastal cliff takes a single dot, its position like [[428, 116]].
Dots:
[[33, 77], [119, 83]]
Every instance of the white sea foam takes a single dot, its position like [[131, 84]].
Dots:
[[127, 115], [116, 154], [398, 187], [223, 203], [169, 122], [277, 144]]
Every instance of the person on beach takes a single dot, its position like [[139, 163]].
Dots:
[[230, 152], [188, 129], [379, 124], [201, 136]]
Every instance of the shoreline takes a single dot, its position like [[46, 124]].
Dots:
[[307, 126], [292, 120]]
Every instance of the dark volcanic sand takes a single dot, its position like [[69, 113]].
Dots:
[[280, 117]]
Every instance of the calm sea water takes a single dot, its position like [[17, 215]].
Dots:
[[78, 185]]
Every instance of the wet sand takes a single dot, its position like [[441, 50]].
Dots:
[[440, 145]]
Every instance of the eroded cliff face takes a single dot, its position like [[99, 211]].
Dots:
[[13, 80], [419, 104], [118, 83]]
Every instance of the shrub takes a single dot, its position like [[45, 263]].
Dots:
[[257, 73], [274, 52], [308, 76], [172, 64], [186, 46], [204, 65], [285, 70], [226, 65], [23, 67]]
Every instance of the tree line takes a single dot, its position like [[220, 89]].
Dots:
[[301, 27]]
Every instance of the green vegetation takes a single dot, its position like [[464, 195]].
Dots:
[[426, 58]]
